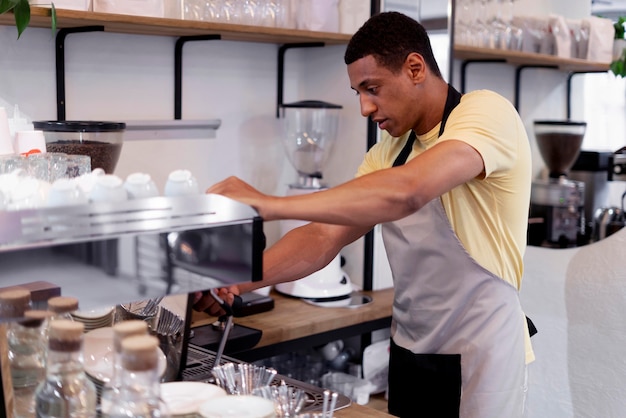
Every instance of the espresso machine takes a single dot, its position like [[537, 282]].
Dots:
[[557, 213], [310, 129]]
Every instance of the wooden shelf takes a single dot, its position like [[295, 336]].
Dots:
[[525, 58], [139, 25]]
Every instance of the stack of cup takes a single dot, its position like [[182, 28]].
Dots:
[[6, 144]]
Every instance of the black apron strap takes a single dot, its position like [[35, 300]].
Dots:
[[453, 99]]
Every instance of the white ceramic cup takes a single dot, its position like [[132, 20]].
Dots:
[[108, 188], [331, 350], [29, 142], [87, 181], [181, 183], [65, 192], [29, 193], [140, 185]]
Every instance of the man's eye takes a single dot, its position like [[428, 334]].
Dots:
[[372, 90]]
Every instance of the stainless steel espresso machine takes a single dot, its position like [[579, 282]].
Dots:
[[557, 215]]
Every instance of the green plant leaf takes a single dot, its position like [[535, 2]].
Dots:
[[22, 16], [53, 18], [618, 68], [6, 5], [619, 27]]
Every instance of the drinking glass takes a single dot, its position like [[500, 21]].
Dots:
[[77, 165]]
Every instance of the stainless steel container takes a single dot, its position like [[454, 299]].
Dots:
[[134, 250]]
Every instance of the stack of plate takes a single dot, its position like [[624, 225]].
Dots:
[[237, 406], [95, 318], [98, 353], [183, 399]]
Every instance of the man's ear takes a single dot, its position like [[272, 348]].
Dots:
[[416, 67]]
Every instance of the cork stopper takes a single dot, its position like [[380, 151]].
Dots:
[[62, 304], [128, 328], [14, 302], [139, 353], [36, 318], [66, 335]]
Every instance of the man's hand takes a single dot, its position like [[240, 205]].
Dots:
[[241, 191], [204, 302]]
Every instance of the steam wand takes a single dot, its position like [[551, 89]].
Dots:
[[226, 320]]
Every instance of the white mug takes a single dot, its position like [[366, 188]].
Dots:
[[66, 192], [140, 185], [108, 188], [181, 183]]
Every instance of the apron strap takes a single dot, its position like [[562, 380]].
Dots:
[[453, 99]]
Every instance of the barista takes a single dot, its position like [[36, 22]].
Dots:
[[450, 182]]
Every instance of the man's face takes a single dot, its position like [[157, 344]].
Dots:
[[385, 97]]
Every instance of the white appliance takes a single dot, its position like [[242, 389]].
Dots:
[[310, 129]]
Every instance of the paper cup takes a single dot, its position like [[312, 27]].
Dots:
[[30, 142], [6, 143]]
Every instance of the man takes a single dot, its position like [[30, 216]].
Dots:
[[450, 182]]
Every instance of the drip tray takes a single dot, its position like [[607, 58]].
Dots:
[[200, 362]]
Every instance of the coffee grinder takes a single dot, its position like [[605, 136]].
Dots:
[[310, 129], [557, 215]]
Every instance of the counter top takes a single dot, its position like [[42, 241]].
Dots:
[[293, 319], [357, 411]]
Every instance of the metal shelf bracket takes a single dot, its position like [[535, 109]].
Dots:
[[569, 88], [178, 69], [281, 69], [60, 63]]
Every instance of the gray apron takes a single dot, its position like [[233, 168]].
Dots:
[[457, 333]]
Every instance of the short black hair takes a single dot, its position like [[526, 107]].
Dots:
[[390, 37]]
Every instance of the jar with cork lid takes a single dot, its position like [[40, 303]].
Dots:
[[139, 391], [14, 302], [121, 331], [63, 306], [66, 391], [25, 350]]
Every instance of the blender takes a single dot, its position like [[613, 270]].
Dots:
[[310, 129], [557, 216]]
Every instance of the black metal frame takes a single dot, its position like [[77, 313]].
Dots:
[[178, 66], [178, 69], [518, 79], [280, 82], [60, 63], [363, 329]]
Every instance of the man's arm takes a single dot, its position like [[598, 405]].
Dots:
[[381, 196]]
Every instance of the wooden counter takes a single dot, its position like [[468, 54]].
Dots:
[[294, 323], [358, 411]]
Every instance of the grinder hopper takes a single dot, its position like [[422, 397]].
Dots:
[[559, 143], [558, 202]]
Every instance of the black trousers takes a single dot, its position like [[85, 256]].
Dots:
[[424, 385]]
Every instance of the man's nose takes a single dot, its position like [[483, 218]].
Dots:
[[367, 107]]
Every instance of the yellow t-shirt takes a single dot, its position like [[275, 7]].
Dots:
[[488, 214]]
